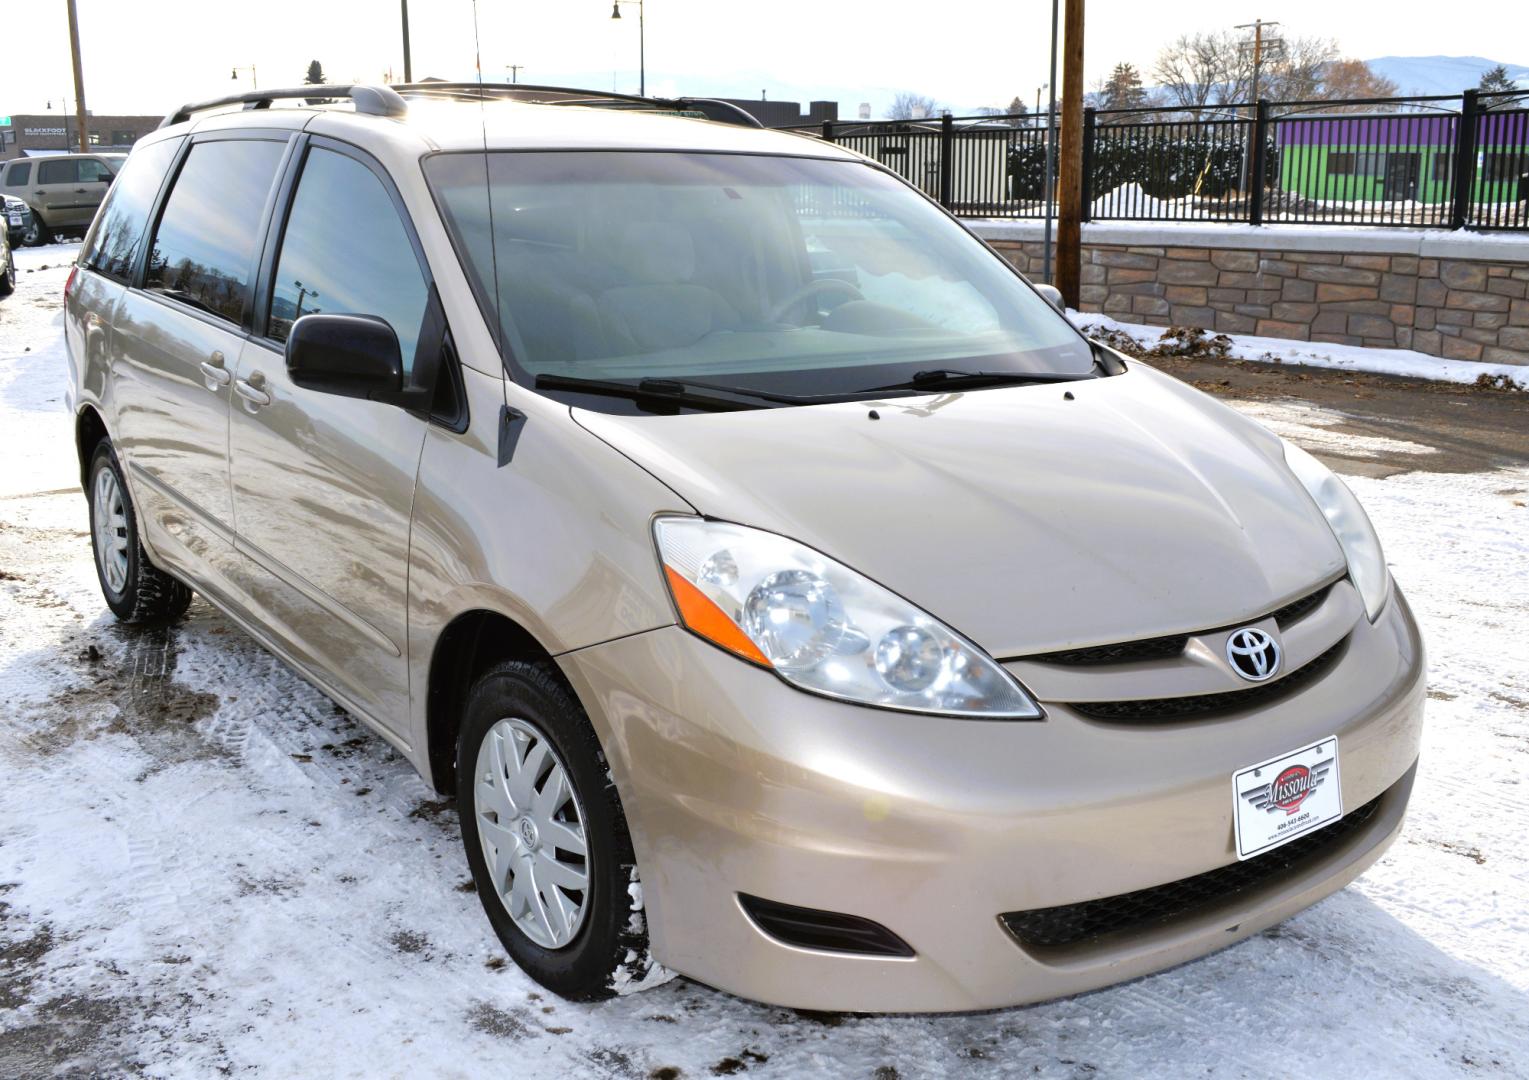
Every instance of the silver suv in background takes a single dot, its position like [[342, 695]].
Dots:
[[63, 191]]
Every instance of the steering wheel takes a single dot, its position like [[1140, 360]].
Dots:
[[812, 288]]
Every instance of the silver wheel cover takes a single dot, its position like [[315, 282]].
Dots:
[[109, 519], [531, 826]]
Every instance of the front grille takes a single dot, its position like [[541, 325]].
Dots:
[[1206, 706], [1299, 609], [1144, 909], [1171, 645]]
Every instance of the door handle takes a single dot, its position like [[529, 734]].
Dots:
[[214, 374], [250, 391]]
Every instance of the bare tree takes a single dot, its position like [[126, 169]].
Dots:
[[910, 106], [1198, 71], [1295, 72], [1202, 71]]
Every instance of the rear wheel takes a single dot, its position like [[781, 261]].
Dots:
[[135, 589], [8, 279], [546, 837], [37, 233]]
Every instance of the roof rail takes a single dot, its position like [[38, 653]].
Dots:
[[372, 100], [720, 111]]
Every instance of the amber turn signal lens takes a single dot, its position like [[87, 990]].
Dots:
[[702, 616]]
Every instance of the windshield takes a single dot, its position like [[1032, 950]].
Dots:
[[800, 278]]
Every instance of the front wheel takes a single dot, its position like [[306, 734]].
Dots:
[[8, 279], [37, 233], [546, 837], [136, 590]]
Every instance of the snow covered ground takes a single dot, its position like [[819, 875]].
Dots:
[[206, 868], [1407, 362]]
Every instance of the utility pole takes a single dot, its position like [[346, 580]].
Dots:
[[79, 77], [408, 68], [1275, 46], [1069, 241], [514, 70]]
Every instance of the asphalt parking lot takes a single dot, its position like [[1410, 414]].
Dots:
[[206, 868]]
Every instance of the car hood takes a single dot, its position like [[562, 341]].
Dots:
[[1029, 518]]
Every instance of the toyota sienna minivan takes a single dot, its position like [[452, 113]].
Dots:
[[789, 595]]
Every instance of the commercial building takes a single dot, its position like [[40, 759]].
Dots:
[[39, 134], [777, 114]]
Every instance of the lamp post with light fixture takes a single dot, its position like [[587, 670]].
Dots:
[[642, 63], [251, 69]]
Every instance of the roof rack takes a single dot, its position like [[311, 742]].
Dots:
[[712, 109], [388, 100], [372, 100]]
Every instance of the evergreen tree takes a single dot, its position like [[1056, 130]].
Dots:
[[1495, 79], [1123, 90], [315, 75]]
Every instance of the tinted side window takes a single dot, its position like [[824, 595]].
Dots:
[[346, 251], [118, 236], [58, 172], [205, 244], [94, 172], [18, 174]]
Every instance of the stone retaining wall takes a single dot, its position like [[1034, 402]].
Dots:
[[1459, 308]]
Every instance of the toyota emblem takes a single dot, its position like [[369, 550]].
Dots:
[[1253, 653]]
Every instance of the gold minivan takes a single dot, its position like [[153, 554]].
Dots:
[[789, 596]]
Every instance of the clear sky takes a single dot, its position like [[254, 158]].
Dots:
[[150, 55]]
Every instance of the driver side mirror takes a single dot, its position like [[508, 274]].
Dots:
[[348, 355], [1052, 294]]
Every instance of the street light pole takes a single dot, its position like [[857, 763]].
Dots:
[[642, 60], [1050, 192], [254, 82], [79, 77]]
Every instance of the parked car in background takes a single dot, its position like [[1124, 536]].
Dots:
[[63, 190], [7, 265], [18, 219], [790, 595]]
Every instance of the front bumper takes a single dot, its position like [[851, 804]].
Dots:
[[735, 783]]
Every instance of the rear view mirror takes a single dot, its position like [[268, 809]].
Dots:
[[1053, 296], [349, 355]]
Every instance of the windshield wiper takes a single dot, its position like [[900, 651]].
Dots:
[[953, 378], [655, 389]]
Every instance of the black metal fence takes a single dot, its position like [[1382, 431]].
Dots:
[[1446, 162]]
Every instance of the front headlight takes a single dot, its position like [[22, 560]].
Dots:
[[1350, 524], [823, 627]]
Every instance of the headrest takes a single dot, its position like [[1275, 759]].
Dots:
[[656, 253]]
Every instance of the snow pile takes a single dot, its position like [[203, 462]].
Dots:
[[1158, 341]]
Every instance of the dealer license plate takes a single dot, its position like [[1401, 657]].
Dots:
[[16, 220], [1285, 797]]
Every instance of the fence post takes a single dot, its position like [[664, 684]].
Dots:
[[1257, 165], [1465, 161], [947, 155], [1090, 119], [828, 131]]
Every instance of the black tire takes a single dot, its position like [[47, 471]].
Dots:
[[148, 594], [609, 952], [39, 234], [8, 279]]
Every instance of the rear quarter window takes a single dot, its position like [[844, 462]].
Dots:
[[18, 174], [117, 238]]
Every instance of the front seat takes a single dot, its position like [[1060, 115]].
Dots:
[[660, 307]]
